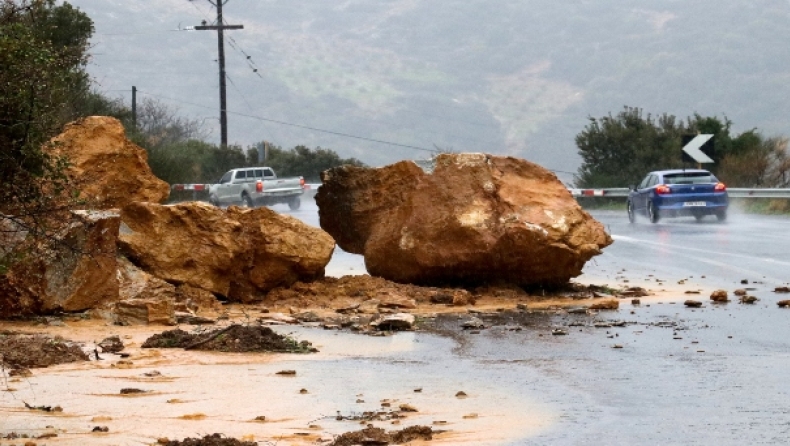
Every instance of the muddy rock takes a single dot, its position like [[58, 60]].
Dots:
[[783, 303], [378, 436], [692, 303], [719, 296], [477, 218], [108, 169], [237, 253], [23, 351], [739, 292], [73, 271], [608, 304], [209, 440], [394, 322], [748, 299], [145, 312], [782, 289], [112, 344]]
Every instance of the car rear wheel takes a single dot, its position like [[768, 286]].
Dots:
[[294, 203], [652, 212], [213, 200], [631, 215], [721, 215], [247, 201]]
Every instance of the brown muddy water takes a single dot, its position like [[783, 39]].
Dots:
[[661, 374]]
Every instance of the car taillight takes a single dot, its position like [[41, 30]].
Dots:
[[259, 186], [662, 189], [720, 187], [301, 182]]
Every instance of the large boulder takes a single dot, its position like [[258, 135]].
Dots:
[[476, 218], [73, 270], [108, 169], [238, 253]]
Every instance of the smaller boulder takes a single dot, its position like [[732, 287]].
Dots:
[[145, 312], [783, 303], [739, 292], [609, 304], [719, 296], [395, 322], [112, 344], [748, 299]]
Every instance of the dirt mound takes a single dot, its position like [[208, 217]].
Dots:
[[375, 435], [20, 351], [234, 338], [211, 440]]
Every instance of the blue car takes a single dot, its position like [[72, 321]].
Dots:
[[678, 193]]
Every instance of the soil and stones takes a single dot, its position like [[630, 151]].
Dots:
[[233, 338], [378, 436], [20, 351]]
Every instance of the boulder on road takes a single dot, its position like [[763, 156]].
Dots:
[[109, 170], [238, 253], [74, 270], [476, 218]]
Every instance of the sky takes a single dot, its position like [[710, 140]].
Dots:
[[384, 80]]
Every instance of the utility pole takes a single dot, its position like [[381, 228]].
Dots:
[[220, 27], [134, 107]]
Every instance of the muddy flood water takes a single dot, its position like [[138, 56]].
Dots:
[[654, 373]]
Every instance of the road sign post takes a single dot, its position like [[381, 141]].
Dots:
[[693, 146]]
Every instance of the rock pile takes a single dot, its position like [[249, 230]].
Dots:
[[178, 258]]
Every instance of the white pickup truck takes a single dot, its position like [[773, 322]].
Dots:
[[256, 186]]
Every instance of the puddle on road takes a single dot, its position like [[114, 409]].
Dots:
[[200, 393]]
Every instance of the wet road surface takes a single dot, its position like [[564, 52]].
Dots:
[[714, 375]]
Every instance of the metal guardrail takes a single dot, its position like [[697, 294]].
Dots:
[[734, 192]]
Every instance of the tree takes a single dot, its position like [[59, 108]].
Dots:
[[43, 56], [300, 161], [619, 150]]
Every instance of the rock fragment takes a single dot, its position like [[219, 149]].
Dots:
[[719, 296]]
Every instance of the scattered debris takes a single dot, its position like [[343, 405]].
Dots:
[[101, 429], [132, 391], [634, 291], [407, 408], [748, 299], [395, 322], [44, 408], [233, 338], [610, 304], [739, 292], [287, 372], [692, 303], [719, 296], [473, 323], [461, 394], [782, 289], [23, 351], [378, 436], [208, 440], [783, 303], [112, 344]]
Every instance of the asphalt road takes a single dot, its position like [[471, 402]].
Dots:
[[663, 374], [754, 248], [746, 247]]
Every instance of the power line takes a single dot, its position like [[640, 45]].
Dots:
[[301, 126]]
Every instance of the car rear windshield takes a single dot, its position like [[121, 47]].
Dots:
[[689, 178]]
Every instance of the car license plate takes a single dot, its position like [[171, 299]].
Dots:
[[694, 203]]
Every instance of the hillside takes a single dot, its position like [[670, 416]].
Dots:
[[507, 76]]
